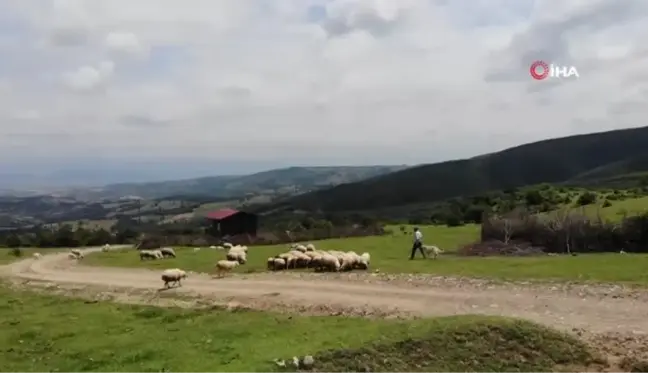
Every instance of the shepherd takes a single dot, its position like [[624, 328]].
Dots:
[[418, 244]]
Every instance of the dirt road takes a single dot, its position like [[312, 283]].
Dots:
[[556, 309]]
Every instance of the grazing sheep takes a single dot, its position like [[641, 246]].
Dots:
[[76, 252], [238, 256], [227, 245], [300, 248], [105, 248], [279, 264], [212, 247], [174, 275], [239, 248], [196, 249], [158, 254], [37, 256], [432, 251], [147, 254], [363, 261], [223, 266], [310, 247], [330, 262], [271, 264], [622, 252], [168, 252]]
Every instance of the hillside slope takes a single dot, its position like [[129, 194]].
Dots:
[[548, 161], [280, 181]]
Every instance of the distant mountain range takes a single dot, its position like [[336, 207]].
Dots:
[[613, 158], [285, 181], [170, 198]]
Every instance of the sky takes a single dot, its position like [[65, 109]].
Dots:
[[117, 90]]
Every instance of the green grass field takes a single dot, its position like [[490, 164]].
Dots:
[[633, 206], [50, 333], [389, 254], [7, 256]]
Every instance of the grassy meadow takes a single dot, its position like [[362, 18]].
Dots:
[[390, 254], [51, 333]]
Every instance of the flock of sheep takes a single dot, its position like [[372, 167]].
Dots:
[[299, 256], [307, 256]]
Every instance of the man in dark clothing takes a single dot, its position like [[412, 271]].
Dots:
[[418, 244]]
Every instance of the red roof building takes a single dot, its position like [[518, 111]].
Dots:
[[230, 222], [221, 214]]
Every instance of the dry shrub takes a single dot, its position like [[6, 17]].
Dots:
[[568, 231]]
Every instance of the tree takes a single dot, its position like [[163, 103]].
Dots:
[[586, 198]]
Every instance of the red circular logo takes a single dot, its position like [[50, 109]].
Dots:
[[539, 65]]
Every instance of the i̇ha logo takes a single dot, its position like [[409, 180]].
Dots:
[[540, 70]]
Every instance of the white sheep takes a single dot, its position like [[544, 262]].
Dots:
[[72, 256], [239, 248], [622, 252], [223, 266], [300, 248], [196, 249], [279, 264], [174, 275], [238, 256], [158, 254], [227, 245], [310, 247], [168, 252], [105, 248], [147, 254], [330, 263], [37, 256], [212, 247], [271, 264], [363, 261], [76, 252]]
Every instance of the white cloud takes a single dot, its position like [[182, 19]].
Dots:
[[124, 43], [353, 81], [87, 78]]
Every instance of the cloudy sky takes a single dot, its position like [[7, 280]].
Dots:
[[105, 87]]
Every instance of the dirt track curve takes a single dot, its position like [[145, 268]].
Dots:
[[562, 309]]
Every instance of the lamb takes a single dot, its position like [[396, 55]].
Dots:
[[168, 252], [223, 266], [432, 251], [238, 256], [37, 256], [174, 275]]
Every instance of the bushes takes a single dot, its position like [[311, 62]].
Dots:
[[567, 231]]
